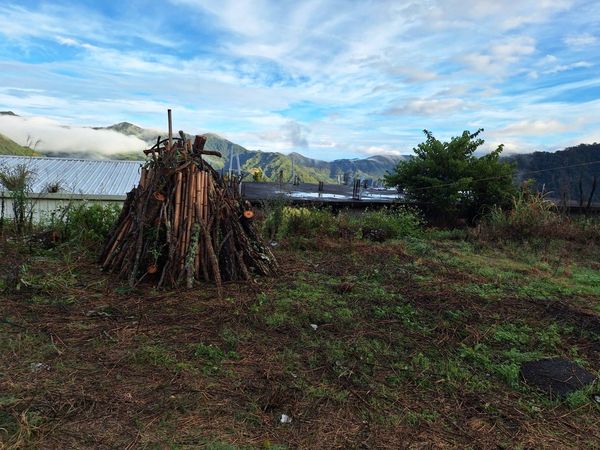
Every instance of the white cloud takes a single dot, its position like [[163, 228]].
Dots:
[[381, 150], [254, 65], [501, 55], [428, 107], [534, 128], [55, 137], [503, 15], [580, 40], [76, 22], [289, 136], [564, 67]]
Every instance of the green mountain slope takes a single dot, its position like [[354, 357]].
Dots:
[[145, 134], [551, 174], [272, 163], [10, 147]]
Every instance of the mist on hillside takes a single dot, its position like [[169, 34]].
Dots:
[[52, 137]]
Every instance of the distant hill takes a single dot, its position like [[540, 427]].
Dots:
[[549, 171], [272, 163], [145, 134], [10, 147]]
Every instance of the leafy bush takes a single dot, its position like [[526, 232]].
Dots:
[[378, 225], [308, 222], [383, 224], [449, 182], [89, 222]]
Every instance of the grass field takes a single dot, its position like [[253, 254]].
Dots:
[[409, 343]]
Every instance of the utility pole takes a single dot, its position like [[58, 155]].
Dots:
[[230, 152]]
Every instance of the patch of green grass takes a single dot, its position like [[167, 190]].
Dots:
[[414, 418], [487, 291], [211, 357], [511, 333], [327, 392], [230, 338], [26, 347], [504, 364], [155, 355], [419, 247], [549, 336], [585, 281]]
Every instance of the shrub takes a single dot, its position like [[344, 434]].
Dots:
[[308, 222], [449, 181], [377, 225], [383, 224], [89, 222]]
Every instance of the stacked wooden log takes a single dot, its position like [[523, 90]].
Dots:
[[184, 223]]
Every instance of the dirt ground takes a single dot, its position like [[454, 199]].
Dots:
[[406, 344]]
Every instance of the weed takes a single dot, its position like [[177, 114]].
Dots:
[[308, 223], [415, 418], [155, 355], [326, 392], [384, 224], [230, 338], [211, 357], [509, 372], [18, 181], [578, 398], [89, 223], [549, 336], [535, 218], [418, 247], [513, 334], [19, 428], [274, 217]]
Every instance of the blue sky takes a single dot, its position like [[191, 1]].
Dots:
[[328, 79]]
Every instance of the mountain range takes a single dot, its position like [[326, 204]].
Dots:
[[558, 173], [272, 163]]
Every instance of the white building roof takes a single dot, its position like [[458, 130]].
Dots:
[[79, 176]]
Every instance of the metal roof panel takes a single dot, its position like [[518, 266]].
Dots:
[[79, 176]]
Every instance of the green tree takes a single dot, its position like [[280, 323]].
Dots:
[[448, 181]]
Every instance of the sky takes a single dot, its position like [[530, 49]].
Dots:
[[328, 79]]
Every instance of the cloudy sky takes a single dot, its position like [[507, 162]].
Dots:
[[328, 79]]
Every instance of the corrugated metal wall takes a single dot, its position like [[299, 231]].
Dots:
[[44, 206]]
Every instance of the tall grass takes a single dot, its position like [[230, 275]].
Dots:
[[378, 225], [17, 181], [533, 216]]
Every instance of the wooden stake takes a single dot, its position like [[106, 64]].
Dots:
[[143, 177], [177, 204], [170, 129]]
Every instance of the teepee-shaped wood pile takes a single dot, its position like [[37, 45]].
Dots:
[[185, 223]]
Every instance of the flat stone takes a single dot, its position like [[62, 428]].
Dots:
[[558, 377]]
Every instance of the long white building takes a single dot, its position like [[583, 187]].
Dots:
[[104, 181]]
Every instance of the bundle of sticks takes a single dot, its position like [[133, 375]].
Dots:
[[184, 223]]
